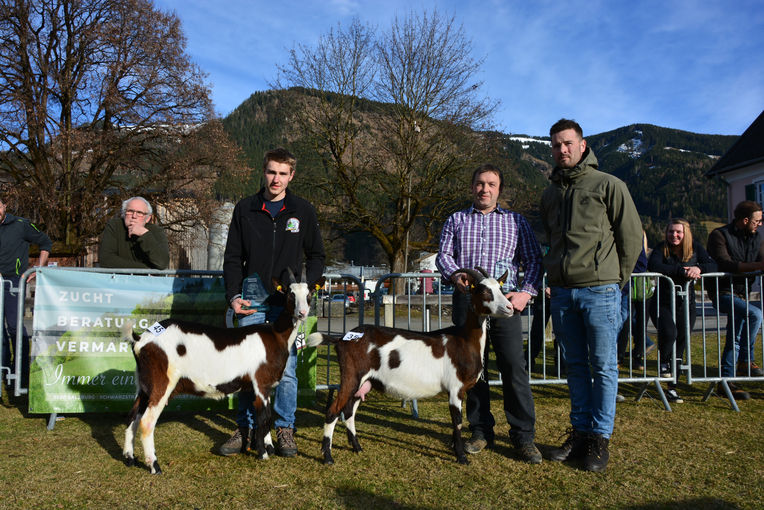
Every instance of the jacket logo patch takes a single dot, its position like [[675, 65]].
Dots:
[[293, 225]]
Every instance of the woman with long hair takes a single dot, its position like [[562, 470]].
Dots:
[[681, 259]]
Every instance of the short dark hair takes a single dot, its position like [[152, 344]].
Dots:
[[745, 209], [488, 168], [563, 124], [280, 155]]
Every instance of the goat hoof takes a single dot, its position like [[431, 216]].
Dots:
[[328, 460], [155, 469], [270, 450], [129, 461], [463, 460]]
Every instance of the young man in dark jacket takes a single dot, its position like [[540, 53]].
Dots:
[[738, 248], [595, 237], [15, 235], [270, 232]]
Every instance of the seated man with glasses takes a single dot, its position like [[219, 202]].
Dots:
[[130, 241], [738, 248]]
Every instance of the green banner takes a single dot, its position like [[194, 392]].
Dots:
[[80, 361]]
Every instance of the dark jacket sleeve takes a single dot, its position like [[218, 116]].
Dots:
[[155, 247], [717, 249], [233, 265], [705, 262], [314, 249], [35, 236], [108, 249]]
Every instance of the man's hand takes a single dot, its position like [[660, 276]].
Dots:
[[238, 304], [461, 282], [136, 229], [519, 300]]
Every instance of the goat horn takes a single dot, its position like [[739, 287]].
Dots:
[[483, 271], [476, 277], [304, 275], [291, 275]]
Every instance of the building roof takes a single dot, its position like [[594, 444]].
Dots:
[[748, 150]]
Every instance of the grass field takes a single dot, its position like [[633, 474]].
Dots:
[[701, 455]]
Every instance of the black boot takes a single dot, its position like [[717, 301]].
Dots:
[[573, 448], [597, 453]]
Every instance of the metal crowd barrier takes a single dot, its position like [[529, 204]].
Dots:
[[425, 310], [713, 335]]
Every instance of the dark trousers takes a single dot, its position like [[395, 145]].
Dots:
[[506, 337], [11, 313], [668, 331]]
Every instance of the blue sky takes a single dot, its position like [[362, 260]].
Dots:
[[684, 64]]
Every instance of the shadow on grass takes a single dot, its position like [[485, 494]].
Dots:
[[354, 497]]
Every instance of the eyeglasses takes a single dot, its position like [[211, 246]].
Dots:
[[139, 214]]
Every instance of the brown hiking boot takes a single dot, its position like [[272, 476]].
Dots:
[[743, 368], [286, 445], [237, 443]]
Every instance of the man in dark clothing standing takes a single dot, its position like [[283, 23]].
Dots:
[[271, 232], [15, 235], [738, 248]]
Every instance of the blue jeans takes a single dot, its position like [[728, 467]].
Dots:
[[587, 321], [285, 399], [739, 346]]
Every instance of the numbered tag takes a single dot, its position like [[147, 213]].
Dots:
[[299, 342], [352, 336], [156, 328]]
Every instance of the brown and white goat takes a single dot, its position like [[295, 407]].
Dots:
[[187, 358], [412, 365]]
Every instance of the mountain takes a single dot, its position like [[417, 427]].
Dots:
[[663, 168]]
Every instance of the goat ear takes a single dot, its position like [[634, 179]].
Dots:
[[503, 278]]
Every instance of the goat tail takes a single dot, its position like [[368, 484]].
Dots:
[[316, 339]]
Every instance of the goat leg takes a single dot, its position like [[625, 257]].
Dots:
[[456, 420], [349, 412]]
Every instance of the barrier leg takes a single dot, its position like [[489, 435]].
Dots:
[[728, 392], [52, 420]]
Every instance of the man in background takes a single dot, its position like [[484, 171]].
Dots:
[[737, 248], [131, 241], [15, 236]]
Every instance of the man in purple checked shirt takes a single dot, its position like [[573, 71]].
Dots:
[[497, 240]]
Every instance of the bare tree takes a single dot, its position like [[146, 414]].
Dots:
[[391, 117], [99, 101]]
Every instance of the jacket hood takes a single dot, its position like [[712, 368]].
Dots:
[[588, 163]]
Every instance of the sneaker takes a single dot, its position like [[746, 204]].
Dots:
[[286, 446], [737, 392], [742, 370], [665, 370], [597, 454], [673, 397], [637, 363], [477, 443], [619, 398], [529, 453], [235, 443], [574, 447]]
